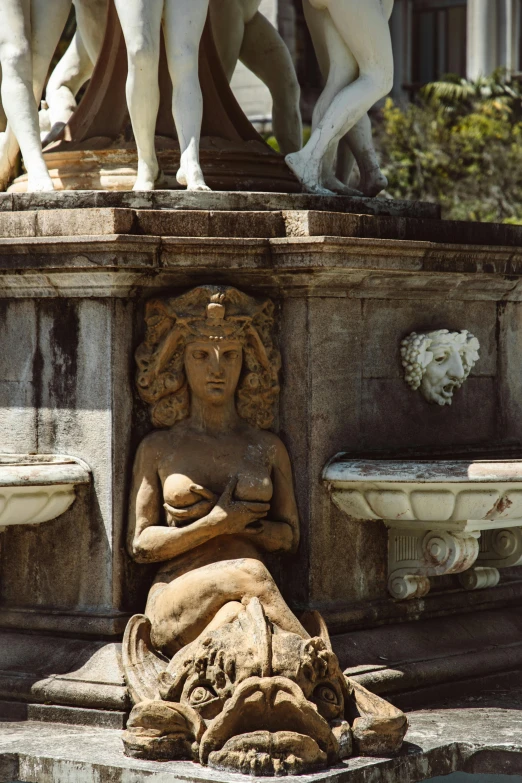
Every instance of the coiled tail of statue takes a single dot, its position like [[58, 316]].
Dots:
[[142, 664]]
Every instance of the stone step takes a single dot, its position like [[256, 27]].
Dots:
[[108, 221]]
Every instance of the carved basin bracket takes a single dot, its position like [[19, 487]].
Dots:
[[36, 488], [443, 517], [416, 555]]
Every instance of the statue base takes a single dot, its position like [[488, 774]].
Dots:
[[227, 165], [351, 277], [480, 740]]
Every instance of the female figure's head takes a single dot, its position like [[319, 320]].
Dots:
[[212, 343]]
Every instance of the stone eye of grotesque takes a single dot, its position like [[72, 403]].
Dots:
[[326, 694], [201, 694]]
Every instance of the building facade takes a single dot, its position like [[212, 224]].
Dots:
[[430, 38]]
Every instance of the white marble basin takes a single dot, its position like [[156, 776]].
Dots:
[[444, 516], [469, 494], [38, 488]]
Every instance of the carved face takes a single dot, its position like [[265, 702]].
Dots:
[[251, 698], [444, 373], [213, 368], [438, 362]]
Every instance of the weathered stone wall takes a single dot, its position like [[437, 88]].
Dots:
[[66, 388], [344, 391], [71, 316]]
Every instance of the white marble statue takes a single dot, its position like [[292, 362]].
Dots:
[[353, 44], [29, 33], [183, 22], [242, 33], [438, 362]]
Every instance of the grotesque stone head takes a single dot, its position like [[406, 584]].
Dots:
[[248, 697], [438, 362]]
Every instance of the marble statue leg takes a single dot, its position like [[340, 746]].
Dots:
[[363, 33], [3, 118], [183, 23], [360, 140], [77, 64], [27, 42], [253, 40], [71, 73], [228, 29], [141, 25], [265, 53], [325, 39]]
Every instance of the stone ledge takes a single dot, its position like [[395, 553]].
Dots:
[[97, 624], [438, 743], [14, 711], [224, 200]]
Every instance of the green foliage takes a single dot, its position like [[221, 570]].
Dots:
[[460, 144]]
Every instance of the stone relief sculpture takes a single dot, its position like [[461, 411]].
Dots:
[[353, 46], [29, 34], [438, 362], [220, 669]]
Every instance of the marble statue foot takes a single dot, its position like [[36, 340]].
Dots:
[[190, 175], [40, 183], [148, 174], [335, 185], [307, 174], [373, 182]]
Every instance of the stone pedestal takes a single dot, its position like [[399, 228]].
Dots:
[[351, 278]]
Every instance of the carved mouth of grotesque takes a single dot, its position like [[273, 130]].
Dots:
[[447, 389], [268, 728]]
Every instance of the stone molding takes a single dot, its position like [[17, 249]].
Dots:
[[123, 266]]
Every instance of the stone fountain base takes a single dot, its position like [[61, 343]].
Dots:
[[474, 738], [350, 278]]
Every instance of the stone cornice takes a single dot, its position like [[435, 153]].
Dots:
[[123, 265]]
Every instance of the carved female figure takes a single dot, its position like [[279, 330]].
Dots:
[[182, 22], [214, 492], [353, 45], [29, 34]]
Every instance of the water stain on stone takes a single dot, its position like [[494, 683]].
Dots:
[[64, 337]]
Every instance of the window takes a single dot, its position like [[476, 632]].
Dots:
[[438, 40]]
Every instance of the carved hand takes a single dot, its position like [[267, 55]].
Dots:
[[233, 516], [184, 516]]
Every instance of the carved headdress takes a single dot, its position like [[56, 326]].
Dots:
[[208, 313]]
